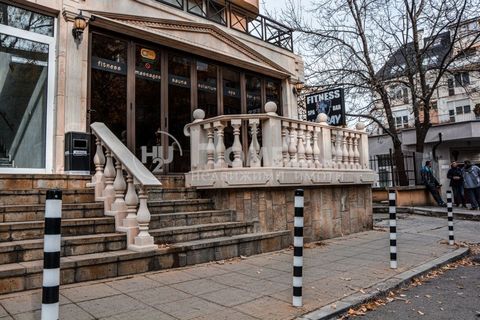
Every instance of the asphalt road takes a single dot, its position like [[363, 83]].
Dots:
[[454, 296]]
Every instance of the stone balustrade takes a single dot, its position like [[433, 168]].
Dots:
[[270, 150], [121, 181]]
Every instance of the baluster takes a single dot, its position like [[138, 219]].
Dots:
[[237, 145], [351, 154], [285, 138], [301, 146], [292, 148], [109, 174], [316, 148], [308, 147], [338, 149], [334, 148], [210, 146], [119, 208], [131, 201], [345, 149], [220, 148], [254, 145], [356, 152], [143, 241], [98, 179]]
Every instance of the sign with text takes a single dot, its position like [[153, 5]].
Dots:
[[330, 102]]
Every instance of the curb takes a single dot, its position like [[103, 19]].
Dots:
[[338, 308], [429, 213]]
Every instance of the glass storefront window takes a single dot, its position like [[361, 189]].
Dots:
[[179, 110], [254, 94], [272, 93], [232, 103], [26, 20], [23, 101], [108, 102], [207, 88], [148, 136]]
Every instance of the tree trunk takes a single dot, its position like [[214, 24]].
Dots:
[[400, 173]]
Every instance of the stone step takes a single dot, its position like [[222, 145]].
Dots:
[[172, 193], [28, 275], [28, 250], [12, 231], [172, 180], [166, 220], [9, 182], [37, 196], [36, 212], [202, 231]]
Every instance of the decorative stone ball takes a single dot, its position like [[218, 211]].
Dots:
[[198, 114], [271, 107], [360, 125], [322, 118]]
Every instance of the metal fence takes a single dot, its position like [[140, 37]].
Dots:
[[384, 165]]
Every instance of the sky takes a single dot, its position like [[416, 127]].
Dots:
[[272, 5]]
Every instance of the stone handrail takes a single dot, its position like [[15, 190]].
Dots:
[[121, 181], [286, 144]]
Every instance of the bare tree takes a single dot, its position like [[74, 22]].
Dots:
[[370, 46]]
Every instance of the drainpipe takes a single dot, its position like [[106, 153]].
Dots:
[[435, 146]]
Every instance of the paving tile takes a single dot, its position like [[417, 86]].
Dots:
[[3, 312], [6, 318], [226, 315], [233, 278], [171, 277], [89, 292], [230, 297], [269, 309], [146, 313], [198, 287], [190, 308], [109, 306], [156, 296], [205, 271], [68, 311], [133, 284], [25, 302], [264, 273], [263, 286]]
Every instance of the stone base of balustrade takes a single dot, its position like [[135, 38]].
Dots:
[[277, 177], [143, 244]]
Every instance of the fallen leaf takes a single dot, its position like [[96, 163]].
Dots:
[[420, 313]]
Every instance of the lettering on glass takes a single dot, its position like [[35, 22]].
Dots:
[[109, 65]]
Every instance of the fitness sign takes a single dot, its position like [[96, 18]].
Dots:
[[330, 102]]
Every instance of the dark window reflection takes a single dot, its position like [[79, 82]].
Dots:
[[147, 106], [26, 20], [273, 93], [232, 103], [207, 88], [254, 94], [179, 110], [109, 84]]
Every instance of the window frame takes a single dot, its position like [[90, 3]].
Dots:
[[51, 78]]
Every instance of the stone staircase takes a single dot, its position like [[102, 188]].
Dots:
[[188, 230]]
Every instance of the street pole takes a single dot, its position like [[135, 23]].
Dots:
[[298, 249]]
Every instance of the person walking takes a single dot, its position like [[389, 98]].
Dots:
[[456, 182], [431, 183], [471, 182]]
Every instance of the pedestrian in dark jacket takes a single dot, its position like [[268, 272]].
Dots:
[[456, 182], [471, 182], [431, 183]]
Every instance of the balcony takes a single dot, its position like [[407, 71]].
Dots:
[[239, 15]]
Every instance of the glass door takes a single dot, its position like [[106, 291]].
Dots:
[[147, 111]]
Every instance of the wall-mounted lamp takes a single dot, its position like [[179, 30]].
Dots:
[[79, 25], [298, 87]]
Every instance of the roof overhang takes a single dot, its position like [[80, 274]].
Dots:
[[201, 39]]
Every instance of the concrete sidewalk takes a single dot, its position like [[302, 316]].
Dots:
[[341, 271], [433, 211]]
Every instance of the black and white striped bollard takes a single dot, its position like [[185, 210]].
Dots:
[[451, 238], [392, 210], [51, 255], [298, 249]]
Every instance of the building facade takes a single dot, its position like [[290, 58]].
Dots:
[[141, 67], [455, 115]]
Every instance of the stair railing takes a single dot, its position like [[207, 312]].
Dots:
[[121, 181]]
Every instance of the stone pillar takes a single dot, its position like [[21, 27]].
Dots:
[[272, 138], [198, 142]]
